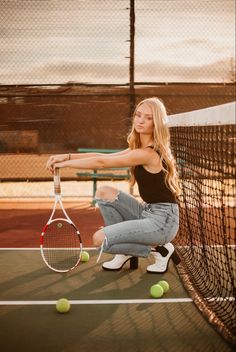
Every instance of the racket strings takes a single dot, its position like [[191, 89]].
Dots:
[[61, 245]]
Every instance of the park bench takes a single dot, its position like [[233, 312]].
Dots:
[[119, 173]]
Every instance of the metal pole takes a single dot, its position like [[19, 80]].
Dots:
[[131, 62]]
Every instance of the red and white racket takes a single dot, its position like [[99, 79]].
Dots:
[[60, 242]]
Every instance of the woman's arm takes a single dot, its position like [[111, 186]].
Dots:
[[128, 159], [66, 157], [93, 155]]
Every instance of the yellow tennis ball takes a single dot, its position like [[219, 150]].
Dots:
[[59, 225], [63, 305], [156, 291], [164, 284], [85, 256]]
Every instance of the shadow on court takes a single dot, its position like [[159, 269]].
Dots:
[[172, 326]]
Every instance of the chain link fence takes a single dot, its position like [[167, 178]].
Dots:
[[185, 41], [60, 41], [71, 70]]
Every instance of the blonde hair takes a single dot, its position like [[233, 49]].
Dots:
[[161, 142]]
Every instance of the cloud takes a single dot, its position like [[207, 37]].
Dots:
[[155, 71]]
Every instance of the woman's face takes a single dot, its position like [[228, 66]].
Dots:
[[143, 119]]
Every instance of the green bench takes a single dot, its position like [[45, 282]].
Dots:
[[119, 173]]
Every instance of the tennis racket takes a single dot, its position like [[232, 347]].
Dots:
[[60, 241]]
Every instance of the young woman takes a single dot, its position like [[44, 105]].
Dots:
[[133, 229]]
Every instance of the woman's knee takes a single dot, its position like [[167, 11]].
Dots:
[[98, 238], [106, 193]]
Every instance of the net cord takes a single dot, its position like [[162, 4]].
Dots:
[[223, 114]]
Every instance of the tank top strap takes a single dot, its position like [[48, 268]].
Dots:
[[157, 151]]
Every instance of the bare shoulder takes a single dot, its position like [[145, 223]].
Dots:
[[153, 154], [148, 155], [147, 151], [153, 163], [140, 153]]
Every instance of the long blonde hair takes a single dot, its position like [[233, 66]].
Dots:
[[161, 142]]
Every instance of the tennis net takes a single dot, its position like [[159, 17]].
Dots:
[[203, 143]]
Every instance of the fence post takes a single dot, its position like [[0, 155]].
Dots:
[[131, 62]]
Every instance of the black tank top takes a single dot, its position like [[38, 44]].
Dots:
[[152, 187]]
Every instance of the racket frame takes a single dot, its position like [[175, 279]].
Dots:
[[57, 200]]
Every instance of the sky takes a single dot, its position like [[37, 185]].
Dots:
[[59, 41]]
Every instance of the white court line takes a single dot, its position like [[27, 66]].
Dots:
[[210, 246], [220, 299], [103, 301], [115, 301]]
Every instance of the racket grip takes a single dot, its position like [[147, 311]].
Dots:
[[57, 182], [57, 189]]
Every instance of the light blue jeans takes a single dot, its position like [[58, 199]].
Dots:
[[133, 228]]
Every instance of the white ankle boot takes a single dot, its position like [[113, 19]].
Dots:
[[162, 256], [119, 261]]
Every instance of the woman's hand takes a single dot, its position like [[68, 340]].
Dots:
[[55, 159]]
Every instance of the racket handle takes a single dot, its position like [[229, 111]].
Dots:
[[57, 182]]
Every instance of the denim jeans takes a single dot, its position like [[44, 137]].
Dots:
[[133, 228]]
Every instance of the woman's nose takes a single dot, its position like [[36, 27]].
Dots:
[[141, 119]]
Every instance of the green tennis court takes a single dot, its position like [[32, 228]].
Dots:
[[109, 311]]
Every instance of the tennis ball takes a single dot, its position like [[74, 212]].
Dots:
[[85, 256], [63, 305], [59, 225], [156, 291], [164, 284]]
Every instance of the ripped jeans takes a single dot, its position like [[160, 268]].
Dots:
[[133, 228]]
